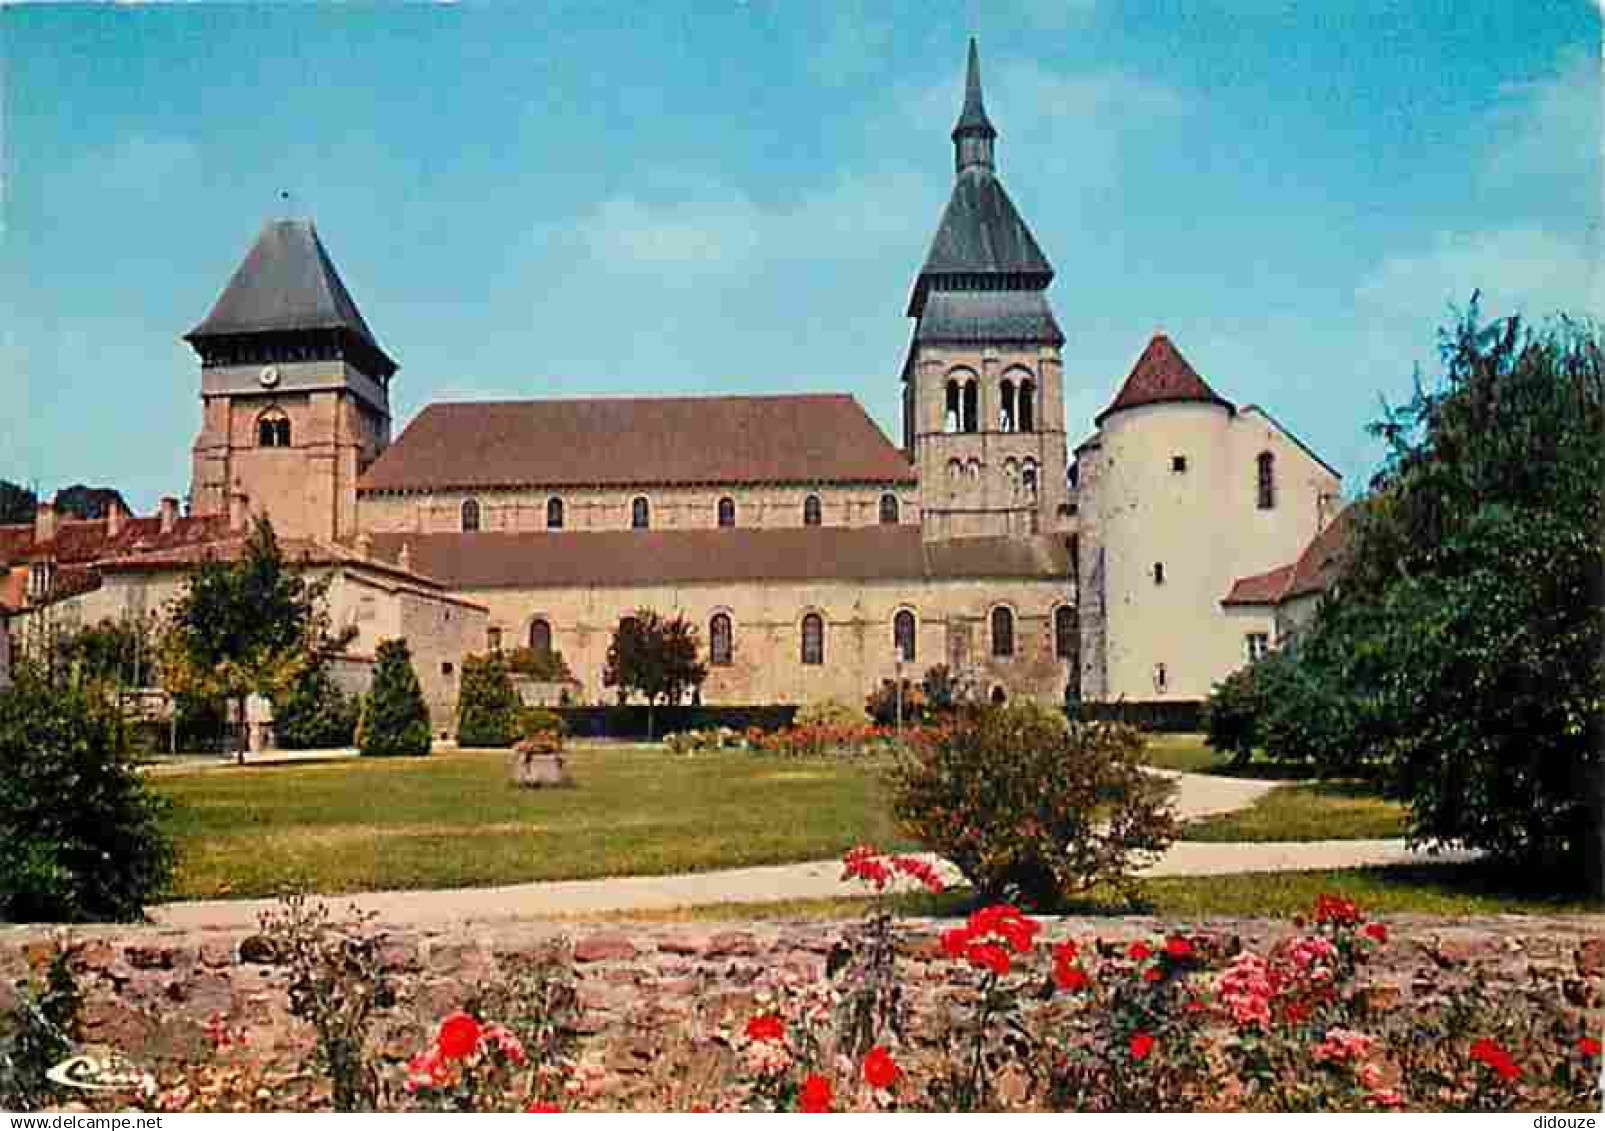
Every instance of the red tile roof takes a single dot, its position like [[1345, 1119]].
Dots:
[[639, 441], [1316, 569], [1162, 375], [492, 560], [81, 541]]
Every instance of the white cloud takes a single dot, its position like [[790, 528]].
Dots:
[[1545, 139], [1525, 269]]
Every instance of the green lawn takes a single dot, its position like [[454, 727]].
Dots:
[[452, 820], [1316, 811], [1190, 754], [1451, 890]]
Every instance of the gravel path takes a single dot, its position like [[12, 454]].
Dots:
[[1198, 795]]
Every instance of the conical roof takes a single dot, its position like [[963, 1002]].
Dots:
[[1163, 375], [287, 282]]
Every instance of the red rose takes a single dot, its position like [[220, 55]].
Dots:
[[1153, 974], [537, 1107], [986, 956], [1376, 932], [1066, 952], [816, 1094], [1071, 978], [766, 1027], [956, 942], [1139, 952], [1178, 947], [459, 1036], [880, 1070], [1141, 1045], [1490, 1053], [1588, 1046]]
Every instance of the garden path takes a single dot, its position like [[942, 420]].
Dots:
[[1197, 795]]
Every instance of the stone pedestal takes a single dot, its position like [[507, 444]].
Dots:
[[533, 771]]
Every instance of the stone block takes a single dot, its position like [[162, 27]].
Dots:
[[604, 947]]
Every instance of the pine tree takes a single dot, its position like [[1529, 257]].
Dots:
[[397, 721]]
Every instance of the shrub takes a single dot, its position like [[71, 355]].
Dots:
[[546, 667], [829, 713], [1029, 806], [82, 835], [487, 706], [882, 703], [40, 1033], [396, 721], [540, 720], [313, 714]]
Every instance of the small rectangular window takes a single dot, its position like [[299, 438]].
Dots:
[[445, 668], [1159, 573], [1178, 463], [1257, 644]]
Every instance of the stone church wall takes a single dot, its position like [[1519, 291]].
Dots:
[[951, 617], [671, 508]]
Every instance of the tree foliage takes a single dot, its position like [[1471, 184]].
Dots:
[[655, 656], [488, 708], [1466, 643], [395, 717], [82, 835], [249, 626], [311, 713]]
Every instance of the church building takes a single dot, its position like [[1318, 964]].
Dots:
[[815, 555]]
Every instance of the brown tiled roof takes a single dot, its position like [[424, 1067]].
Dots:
[[1162, 375], [639, 441], [1316, 569], [496, 560], [1261, 588], [89, 541]]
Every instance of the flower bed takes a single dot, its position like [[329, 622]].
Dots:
[[999, 1011]]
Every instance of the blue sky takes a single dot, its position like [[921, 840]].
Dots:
[[584, 198]]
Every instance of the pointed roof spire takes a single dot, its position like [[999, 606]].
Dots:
[[288, 283], [973, 121], [1162, 375]]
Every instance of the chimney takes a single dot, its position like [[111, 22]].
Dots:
[[169, 514], [114, 518], [239, 511], [44, 522]]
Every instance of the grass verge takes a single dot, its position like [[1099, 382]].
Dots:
[[1318, 811], [1449, 890]]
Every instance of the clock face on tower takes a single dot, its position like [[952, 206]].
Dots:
[[269, 376]]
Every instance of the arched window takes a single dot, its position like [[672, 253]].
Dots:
[[1267, 481], [540, 637], [813, 639], [888, 510], [973, 469], [952, 413], [470, 515], [999, 696], [972, 406], [1002, 632], [955, 469], [727, 512], [719, 640], [1064, 633], [1006, 408], [813, 514], [1026, 409], [1011, 475], [554, 514], [1028, 478], [273, 429], [640, 513], [903, 635]]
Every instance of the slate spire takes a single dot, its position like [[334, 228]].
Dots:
[[973, 135]]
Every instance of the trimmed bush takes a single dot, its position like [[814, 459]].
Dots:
[[395, 720], [487, 706], [82, 836], [1031, 807], [830, 713], [313, 714]]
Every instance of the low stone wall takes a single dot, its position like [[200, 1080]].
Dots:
[[150, 991]]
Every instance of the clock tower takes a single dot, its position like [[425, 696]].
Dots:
[[295, 390]]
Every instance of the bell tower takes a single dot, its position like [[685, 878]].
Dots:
[[295, 390], [983, 399]]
